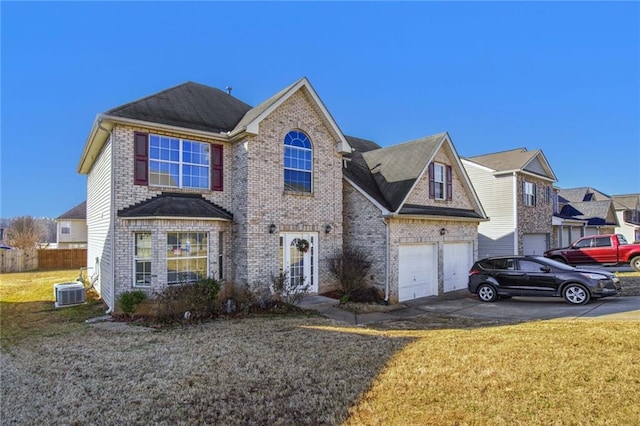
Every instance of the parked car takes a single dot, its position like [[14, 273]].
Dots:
[[609, 249], [508, 276]]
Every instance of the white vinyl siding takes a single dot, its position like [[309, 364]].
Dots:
[[99, 215], [497, 196]]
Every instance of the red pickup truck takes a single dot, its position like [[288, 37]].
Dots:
[[610, 249]]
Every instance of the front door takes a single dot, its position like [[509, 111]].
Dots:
[[299, 258]]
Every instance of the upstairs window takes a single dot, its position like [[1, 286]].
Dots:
[[440, 182], [176, 163], [298, 161], [65, 228], [529, 193]]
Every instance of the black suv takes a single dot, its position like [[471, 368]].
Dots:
[[508, 276]]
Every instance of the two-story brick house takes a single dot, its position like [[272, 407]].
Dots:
[[516, 189], [192, 182]]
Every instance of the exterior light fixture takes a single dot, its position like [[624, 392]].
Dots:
[[443, 231], [272, 228], [327, 229]]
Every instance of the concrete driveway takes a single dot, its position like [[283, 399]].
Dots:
[[529, 308]]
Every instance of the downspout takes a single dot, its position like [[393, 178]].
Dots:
[[516, 246], [112, 227], [386, 261]]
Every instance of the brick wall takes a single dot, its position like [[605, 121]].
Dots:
[[533, 219]]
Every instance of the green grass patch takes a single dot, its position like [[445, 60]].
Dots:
[[27, 306]]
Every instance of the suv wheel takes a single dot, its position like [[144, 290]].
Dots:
[[635, 263], [576, 294], [487, 293]]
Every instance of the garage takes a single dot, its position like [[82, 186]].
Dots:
[[534, 244], [458, 259], [418, 271]]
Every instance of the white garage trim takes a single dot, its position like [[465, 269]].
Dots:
[[457, 260], [417, 271]]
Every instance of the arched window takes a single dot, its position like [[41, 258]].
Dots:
[[298, 161]]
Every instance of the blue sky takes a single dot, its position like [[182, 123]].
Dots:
[[561, 77]]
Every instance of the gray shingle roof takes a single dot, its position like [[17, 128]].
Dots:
[[388, 174], [582, 194], [189, 105], [170, 204], [78, 212], [626, 202], [595, 212]]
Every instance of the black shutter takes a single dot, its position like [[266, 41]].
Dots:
[[432, 182], [449, 183], [141, 158], [216, 168]]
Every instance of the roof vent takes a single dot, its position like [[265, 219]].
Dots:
[[229, 89]]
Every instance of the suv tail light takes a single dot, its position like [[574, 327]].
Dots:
[[474, 271]]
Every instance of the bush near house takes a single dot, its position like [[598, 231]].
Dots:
[[351, 269]]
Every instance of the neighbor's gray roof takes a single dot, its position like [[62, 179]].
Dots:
[[626, 202], [176, 205], [78, 212], [189, 105], [595, 212], [579, 194]]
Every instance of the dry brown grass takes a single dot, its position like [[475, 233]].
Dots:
[[27, 310], [310, 370]]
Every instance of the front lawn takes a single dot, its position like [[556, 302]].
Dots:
[[27, 305], [308, 370]]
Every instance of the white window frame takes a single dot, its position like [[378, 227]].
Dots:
[[439, 181], [180, 162], [529, 193], [65, 228], [137, 259], [180, 259]]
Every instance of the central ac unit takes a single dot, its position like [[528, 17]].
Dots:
[[68, 294]]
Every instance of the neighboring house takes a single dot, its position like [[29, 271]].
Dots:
[[516, 190], [413, 208], [192, 182], [72, 227], [628, 212], [589, 205]]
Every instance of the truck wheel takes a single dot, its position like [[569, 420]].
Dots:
[[635, 263]]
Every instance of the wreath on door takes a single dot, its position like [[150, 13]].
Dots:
[[302, 245]]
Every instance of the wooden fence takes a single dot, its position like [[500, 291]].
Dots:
[[32, 259]]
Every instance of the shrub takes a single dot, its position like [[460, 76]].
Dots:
[[193, 301], [288, 291], [130, 300], [350, 268]]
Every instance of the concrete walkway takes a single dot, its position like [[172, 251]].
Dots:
[[464, 304]]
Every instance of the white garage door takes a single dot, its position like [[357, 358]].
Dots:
[[535, 244], [458, 259], [418, 271]]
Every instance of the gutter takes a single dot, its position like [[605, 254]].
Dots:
[[386, 261]]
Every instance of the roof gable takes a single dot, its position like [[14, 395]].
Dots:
[[188, 105], [251, 120], [519, 159], [583, 194], [388, 176], [397, 168]]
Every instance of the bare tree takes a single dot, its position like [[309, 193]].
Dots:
[[25, 232]]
